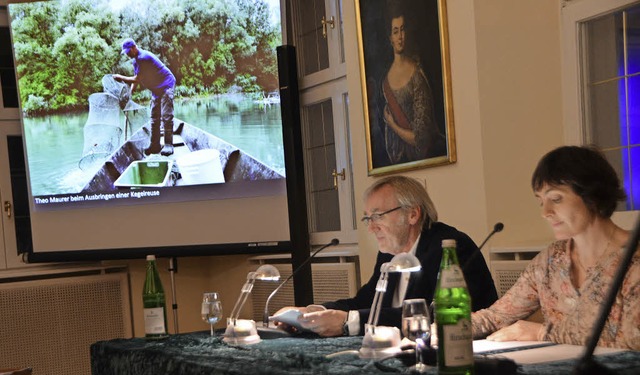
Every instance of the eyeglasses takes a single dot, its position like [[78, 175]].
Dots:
[[375, 218]]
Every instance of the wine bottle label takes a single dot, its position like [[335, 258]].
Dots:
[[457, 344], [452, 277], [154, 321]]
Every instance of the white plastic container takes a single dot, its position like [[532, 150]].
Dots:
[[201, 167]]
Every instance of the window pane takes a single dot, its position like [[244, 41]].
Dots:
[[633, 40], [320, 156], [606, 111], [626, 162], [633, 192], [619, 159], [314, 119], [314, 54], [633, 105], [604, 47], [341, 32], [327, 211]]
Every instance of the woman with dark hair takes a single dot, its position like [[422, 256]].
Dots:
[[578, 191]]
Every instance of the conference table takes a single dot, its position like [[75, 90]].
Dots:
[[199, 353]]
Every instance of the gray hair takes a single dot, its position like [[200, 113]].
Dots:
[[410, 193]]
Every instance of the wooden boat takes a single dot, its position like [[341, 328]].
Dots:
[[236, 165]]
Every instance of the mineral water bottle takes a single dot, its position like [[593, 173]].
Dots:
[[155, 311], [453, 315]]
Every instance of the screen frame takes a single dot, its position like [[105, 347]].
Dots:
[[286, 246]]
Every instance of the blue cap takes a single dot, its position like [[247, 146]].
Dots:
[[127, 45]]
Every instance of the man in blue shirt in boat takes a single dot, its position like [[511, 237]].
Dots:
[[153, 75]]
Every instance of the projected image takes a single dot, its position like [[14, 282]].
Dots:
[[153, 100]]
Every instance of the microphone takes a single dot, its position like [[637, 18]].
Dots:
[[498, 227], [265, 315]]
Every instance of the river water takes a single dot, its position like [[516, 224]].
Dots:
[[55, 143]]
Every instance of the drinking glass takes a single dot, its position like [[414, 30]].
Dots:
[[211, 309], [416, 323]]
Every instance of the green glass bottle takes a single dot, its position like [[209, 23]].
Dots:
[[155, 311], [453, 315]]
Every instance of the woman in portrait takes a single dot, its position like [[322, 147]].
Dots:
[[411, 132]]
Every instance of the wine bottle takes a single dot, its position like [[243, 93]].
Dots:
[[453, 316], [155, 311]]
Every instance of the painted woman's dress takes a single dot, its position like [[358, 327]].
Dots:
[[412, 107]]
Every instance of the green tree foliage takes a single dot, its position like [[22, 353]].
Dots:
[[64, 48]]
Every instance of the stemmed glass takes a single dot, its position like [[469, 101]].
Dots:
[[416, 323], [211, 311]]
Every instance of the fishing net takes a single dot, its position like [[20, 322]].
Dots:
[[118, 89], [135, 115], [104, 127], [102, 131]]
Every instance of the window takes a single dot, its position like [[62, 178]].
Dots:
[[318, 34], [611, 93]]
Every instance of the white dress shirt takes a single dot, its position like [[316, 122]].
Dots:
[[353, 319]]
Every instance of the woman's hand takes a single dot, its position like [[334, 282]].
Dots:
[[406, 135], [388, 117], [521, 330]]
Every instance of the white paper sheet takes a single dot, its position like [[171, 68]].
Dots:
[[551, 353], [289, 317], [481, 346]]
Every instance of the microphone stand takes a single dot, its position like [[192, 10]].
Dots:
[[586, 364], [498, 227], [265, 330]]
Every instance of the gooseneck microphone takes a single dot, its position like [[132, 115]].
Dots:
[[498, 227], [265, 316]]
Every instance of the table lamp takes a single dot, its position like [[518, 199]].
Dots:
[[381, 341], [243, 331]]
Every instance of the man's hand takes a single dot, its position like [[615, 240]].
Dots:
[[521, 330], [285, 326], [326, 323], [117, 77]]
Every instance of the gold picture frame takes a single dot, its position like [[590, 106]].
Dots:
[[406, 84]]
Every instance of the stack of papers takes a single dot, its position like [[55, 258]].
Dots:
[[536, 351]]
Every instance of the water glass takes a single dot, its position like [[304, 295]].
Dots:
[[211, 311], [416, 326]]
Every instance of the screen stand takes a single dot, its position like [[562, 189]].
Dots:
[[173, 268]]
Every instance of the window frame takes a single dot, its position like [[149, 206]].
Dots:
[[573, 14]]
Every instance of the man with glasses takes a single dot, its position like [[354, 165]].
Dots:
[[401, 215]]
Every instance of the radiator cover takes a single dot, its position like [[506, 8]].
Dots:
[[331, 281], [48, 324]]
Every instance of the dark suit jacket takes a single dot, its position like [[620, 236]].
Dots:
[[422, 284]]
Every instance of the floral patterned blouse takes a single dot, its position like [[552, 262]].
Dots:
[[569, 313]]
